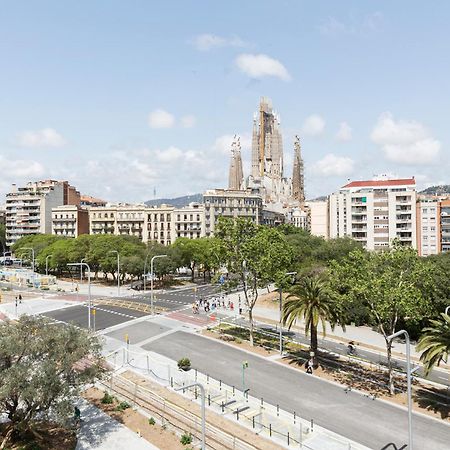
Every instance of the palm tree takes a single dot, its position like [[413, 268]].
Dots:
[[310, 301], [435, 342]]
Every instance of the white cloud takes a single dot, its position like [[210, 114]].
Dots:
[[344, 133], [19, 168], [205, 42], [47, 137], [159, 118], [355, 26], [259, 66], [313, 125], [170, 155], [405, 141], [223, 143], [188, 121], [332, 165]]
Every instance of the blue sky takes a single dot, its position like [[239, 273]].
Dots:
[[121, 98]]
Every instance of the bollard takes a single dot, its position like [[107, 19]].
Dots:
[[312, 424], [207, 379], [278, 410], [209, 399], [195, 392], [171, 382], [253, 421], [270, 429], [223, 408], [233, 390], [262, 401], [220, 384], [148, 365], [294, 417], [237, 414], [288, 438], [195, 374]]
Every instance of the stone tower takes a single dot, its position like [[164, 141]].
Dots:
[[298, 181], [267, 144], [236, 174]]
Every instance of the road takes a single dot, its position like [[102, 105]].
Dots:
[[373, 423]]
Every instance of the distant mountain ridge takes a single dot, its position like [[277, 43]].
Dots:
[[178, 202], [442, 189]]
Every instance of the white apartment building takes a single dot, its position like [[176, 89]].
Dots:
[[29, 208], [300, 218], [231, 203], [318, 218], [159, 224], [189, 221], [70, 221], [375, 212], [427, 216]]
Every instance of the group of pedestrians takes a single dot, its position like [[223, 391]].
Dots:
[[212, 304]]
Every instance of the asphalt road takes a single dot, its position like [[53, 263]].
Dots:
[[373, 423], [436, 375]]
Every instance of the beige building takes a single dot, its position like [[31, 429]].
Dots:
[[231, 203], [375, 212], [70, 221], [318, 218], [29, 208], [189, 221]]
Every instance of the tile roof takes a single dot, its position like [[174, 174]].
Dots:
[[381, 183]]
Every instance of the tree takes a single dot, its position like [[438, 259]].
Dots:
[[190, 253], [309, 301], [388, 284], [2, 237], [256, 255], [39, 374], [435, 342]]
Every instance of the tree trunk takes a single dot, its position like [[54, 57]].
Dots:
[[250, 318], [314, 346], [390, 371]]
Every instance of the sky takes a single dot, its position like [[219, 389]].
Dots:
[[131, 99]]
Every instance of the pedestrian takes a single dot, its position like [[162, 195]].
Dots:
[[310, 365], [232, 306], [20, 298]]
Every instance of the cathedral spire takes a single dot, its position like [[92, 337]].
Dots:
[[236, 174], [298, 181]]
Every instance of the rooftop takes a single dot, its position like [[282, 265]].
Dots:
[[381, 183]]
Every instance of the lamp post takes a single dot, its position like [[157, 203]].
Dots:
[[203, 410], [32, 256], [151, 280], [281, 312], [408, 375], [145, 271], [118, 271], [447, 309], [46, 264], [81, 265]]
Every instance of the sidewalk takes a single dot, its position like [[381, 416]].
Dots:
[[100, 432]]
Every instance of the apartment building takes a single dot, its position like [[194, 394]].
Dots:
[[160, 224], [375, 212], [2, 215], [189, 221], [70, 221], [427, 226], [29, 208], [231, 203], [444, 225]]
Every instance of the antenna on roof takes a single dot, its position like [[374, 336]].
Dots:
[[154, 193]]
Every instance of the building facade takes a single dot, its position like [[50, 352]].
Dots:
[[375, 212], [29, 208], [189, 222], [427, 226], [70, 221], [233, 204], [444, 225]]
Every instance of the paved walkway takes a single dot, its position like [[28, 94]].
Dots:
[[100, 432]]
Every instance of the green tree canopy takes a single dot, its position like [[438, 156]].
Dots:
[[39, 374]]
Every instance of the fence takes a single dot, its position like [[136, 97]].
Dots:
[[286, 429]]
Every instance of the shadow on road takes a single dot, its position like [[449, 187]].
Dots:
[[434, 399]]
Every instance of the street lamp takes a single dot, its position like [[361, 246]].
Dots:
[[46, 264], [32, 255], [281, 312], [447, 309], [203, 410], [118, 271], [151, 279], [145, 271], [81, 265], [408, 375]]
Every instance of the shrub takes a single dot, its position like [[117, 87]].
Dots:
[[107, 399], [122, 406], [186, 439], [151, 421], [184, 364]]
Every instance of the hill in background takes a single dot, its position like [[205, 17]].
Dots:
[[178, 202], [443, 189]]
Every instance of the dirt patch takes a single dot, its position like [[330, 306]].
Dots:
[[155, 434], [48, 436], [270, 300], [238, 342]]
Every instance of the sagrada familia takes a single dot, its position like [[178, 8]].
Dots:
[[267, 172]]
